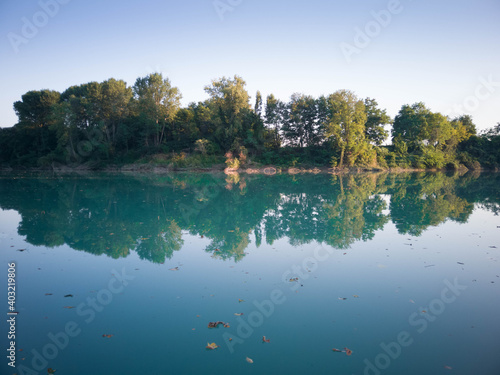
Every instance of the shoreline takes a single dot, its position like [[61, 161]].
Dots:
[[251, 169]]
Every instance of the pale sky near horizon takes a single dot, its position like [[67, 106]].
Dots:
[[443, 53]]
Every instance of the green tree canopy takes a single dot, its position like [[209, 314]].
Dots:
[[346, 125], [158, 102]]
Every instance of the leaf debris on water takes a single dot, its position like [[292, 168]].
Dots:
[[212, 346]]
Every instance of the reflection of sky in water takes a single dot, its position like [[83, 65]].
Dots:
[[9, 220], [154, 319]]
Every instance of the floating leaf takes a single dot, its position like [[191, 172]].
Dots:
[[241, 300], [68, 295], [48, 294], [215, 324], [249, 360], [238, 314], [174, 269], [265, 340], [69, 307], [50, 370], [348, 351], [212, 346], [355, 296], [107, 336]]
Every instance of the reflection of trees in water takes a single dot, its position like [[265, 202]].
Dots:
[[356, 213], [427, 199], [147, 214]]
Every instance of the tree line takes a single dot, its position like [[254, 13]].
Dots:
[[105, 123]]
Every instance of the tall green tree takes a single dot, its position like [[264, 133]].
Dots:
[[35, 113], [346, 125], [228, 100], [258, 104], [158, 102], [274, 119], [114, 107], [376, 119], [410, 125], [300, 126]]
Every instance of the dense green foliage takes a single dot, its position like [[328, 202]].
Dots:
[[109, 123]]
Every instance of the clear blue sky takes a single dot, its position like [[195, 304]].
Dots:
[[438, 52]]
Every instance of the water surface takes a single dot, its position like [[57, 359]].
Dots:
[[401, 269]]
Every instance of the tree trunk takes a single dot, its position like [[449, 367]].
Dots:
[[341, 164]]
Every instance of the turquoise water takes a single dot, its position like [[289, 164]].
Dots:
[[401, 269]]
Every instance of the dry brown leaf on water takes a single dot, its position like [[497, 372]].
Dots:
[[265, 340], [107, 336], [216, 324], [174, 269], [241, 300], [249, 360], [69, 307], [50, 370], [212, 346]]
